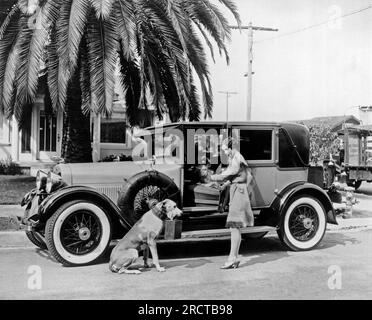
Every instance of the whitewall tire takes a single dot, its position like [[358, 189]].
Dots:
[[303, 223], [78, 233]]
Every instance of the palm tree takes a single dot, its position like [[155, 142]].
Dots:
[[157, 45]]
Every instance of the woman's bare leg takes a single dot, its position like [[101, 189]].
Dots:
[[236, 239]]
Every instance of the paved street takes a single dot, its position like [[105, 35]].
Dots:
[[266, 272]]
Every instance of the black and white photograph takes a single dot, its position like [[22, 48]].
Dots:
[[185, 154]]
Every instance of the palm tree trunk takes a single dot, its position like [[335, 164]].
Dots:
[[76, 145]]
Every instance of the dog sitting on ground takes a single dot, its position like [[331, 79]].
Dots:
[[143, 234]]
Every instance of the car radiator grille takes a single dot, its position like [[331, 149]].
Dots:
[[111, 191]]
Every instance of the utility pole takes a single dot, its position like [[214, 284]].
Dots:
[[250, 29], [228, 95]]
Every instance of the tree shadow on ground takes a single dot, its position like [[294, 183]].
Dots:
[[333, 239]]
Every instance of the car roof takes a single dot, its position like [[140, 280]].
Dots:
[[230, 123]]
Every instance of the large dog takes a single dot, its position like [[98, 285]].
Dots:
[[143, 234]]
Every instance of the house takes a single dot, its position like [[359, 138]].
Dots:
[[39, 140]]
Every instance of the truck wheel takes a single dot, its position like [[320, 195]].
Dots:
[[354, 183], [36, 239], [302, 224], [78, 233]]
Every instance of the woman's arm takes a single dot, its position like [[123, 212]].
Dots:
[[232, 170]]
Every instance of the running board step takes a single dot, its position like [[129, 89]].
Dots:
[[212, 234], [224, 232]]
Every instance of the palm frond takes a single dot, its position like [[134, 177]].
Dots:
[[85, 84], [126, 26], [103, 8], [131, 84], [102, 44], [7, 42], [51, 12], [194, 113], [64, 70], [9, 85], [9, 18], [53, 68], [153, 69], [24, 6], [77, 24], [206, 39], [32, 44], [233, 9], [175, 12], [203, 13]]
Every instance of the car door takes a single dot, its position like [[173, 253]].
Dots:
[[257, 147]]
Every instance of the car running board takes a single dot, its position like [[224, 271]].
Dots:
[[213, 234]]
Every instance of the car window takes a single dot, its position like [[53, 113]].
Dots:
[[256, 144]]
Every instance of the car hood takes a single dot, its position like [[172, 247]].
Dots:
[[109, 173]]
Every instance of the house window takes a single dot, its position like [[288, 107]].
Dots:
[[26, 136], [256, 144], [48, 132], [114, 128], [113, 131]]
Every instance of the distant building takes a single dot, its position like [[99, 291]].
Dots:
[[335, 122]]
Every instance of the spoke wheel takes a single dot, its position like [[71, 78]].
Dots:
[[140, 204], [303, 223], [78, 233], [81, 232]]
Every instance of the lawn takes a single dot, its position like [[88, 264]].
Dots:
[[13, 188]]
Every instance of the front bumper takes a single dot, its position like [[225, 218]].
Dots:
[[32, 201]]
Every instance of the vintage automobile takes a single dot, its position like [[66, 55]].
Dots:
[[77, 209]]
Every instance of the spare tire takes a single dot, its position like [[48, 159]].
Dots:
[[142, 187]]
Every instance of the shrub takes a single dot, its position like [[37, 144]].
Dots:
[[114, 157], [8, 167]]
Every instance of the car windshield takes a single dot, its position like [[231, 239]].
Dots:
[[161, 144]]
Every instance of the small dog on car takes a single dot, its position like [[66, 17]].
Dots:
[[143, 236]]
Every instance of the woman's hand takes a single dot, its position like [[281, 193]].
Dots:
[[225, 185]]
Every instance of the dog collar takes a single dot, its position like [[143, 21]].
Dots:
[[159, 213]]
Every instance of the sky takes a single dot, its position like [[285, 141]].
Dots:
[[298, 74]]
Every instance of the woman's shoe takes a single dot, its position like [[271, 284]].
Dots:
[[231, 265]]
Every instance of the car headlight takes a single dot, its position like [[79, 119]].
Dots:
[[41, 180], [54, 182]]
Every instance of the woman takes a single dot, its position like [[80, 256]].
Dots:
[[240, 212]]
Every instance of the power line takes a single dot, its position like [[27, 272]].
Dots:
[[315, 25]]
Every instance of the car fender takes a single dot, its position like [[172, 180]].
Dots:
[[299, 188], [55, 200]]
